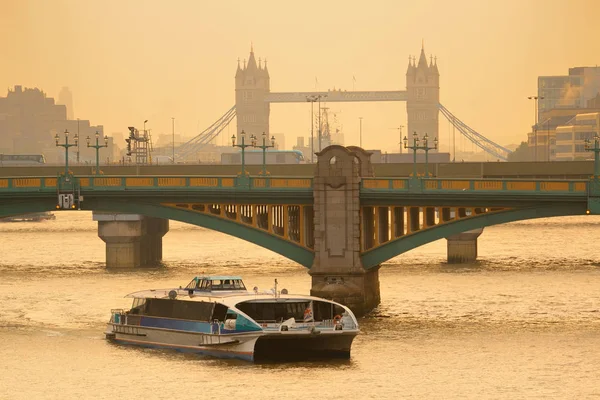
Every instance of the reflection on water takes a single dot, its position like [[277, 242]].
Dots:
[[521, 322]]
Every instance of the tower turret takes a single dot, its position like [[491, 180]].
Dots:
[[423, 97], [252, 85]]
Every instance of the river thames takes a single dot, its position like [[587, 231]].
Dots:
[[521, 323]]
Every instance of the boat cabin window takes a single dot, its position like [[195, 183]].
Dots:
[[138, 306], [179, 309], [281, 311], [207, 284]]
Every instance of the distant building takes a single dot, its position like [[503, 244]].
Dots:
[[27, 117], [570, 138], [542, 141], [572, 91], [65, 97], [29, 120]]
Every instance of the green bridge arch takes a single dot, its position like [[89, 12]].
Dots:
[[294, 252], [288, 249], [401, 245]]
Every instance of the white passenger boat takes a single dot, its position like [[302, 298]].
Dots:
[[217, 316]]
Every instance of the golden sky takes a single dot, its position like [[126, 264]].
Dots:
[[130, 60]]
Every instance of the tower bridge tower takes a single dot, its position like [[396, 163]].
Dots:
[[252, 85], [423, 96]]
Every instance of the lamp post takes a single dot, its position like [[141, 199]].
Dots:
[[97, 146], [242, 146], [596, 150], [360, 132], [78, 142], [264, 148], [312, 100], [173, 136], [319, 97], [416, 147], [535, 120], [66, 145]]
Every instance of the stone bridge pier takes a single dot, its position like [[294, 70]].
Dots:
[[462, 247], [132, 240], [337, 271]]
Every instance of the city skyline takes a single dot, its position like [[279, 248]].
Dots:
[[135, 71]]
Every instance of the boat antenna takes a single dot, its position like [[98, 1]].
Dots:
[[276, 287]]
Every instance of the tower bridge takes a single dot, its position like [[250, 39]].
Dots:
[[253, 97]]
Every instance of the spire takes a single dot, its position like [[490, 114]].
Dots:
[[266, 69], [239, 70], [434, 68], [252, 60], [422, 59], [411, 67]]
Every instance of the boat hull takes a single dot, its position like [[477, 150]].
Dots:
[[283, 346], [249, 346], [239, 346]]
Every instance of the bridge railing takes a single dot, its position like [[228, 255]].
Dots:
[[144, 183], [437, 185]]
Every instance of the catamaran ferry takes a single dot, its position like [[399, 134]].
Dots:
[[218, 316]]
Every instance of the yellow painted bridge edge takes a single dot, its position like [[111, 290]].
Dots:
[[449, 184]]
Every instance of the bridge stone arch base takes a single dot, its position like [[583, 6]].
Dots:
[[337, 271], [373, 258], [462, 247], [296, 253], [132, 240], [161, 214]]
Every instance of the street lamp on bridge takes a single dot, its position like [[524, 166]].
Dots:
[[416, 147], [66, 145], [97, 146], [242, 146], [312, 100], [596, 150], [264, 148], [535, 120]]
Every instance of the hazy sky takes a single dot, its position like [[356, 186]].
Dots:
[[130, 60]]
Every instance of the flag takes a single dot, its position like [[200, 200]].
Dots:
[[353, 78], [308, 313], [316, 81]]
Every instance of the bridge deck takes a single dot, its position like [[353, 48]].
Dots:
[[336, 96]]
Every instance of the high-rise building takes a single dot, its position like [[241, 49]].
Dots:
[[27, 117], [423, 96], [572, 91], [252, 85], [65, 97], [29, 120]]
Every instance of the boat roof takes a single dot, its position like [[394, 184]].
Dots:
[[217, 277], [227, 298]]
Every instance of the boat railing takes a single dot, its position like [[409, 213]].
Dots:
[[326, 323], [116, 316]]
